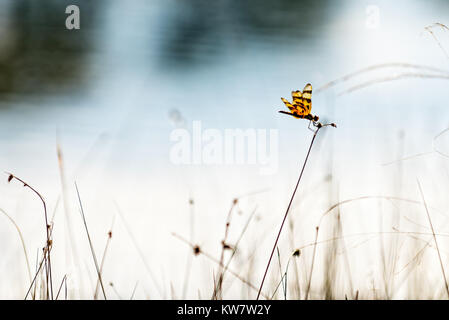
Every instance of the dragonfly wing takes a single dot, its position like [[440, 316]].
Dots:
[[307, 98], [290, 106]]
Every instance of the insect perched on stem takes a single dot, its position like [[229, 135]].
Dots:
[[302, 105]]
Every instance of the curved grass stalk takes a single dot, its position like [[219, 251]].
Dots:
[[318, 126], [22, 241]]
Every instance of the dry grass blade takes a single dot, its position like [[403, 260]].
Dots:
[[429, 29], [97, 287], [434, 238], [217, 294], [377, 67], [60, 287], [47, 229], [21, 241], [36, 275], [340, 203], [405, 75], [90, 242], [71, 244], [283, 280], [134, 291], [312, 263]]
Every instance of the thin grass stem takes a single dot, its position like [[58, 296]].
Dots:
[[90, 242], [434, 238], [287, 211]]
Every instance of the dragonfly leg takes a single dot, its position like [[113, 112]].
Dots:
[[310, 122]]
